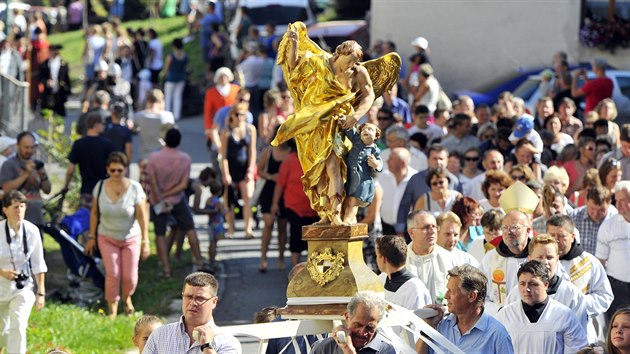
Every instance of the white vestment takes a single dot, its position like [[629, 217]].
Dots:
[[431, 269], [557, 330], [501, 273]]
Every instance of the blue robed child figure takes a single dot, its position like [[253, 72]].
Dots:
[[363, 161]]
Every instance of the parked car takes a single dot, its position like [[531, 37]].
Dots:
[[492, 96], [529, 92], [332, 33], [279, 12]]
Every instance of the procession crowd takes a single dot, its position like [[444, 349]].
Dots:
[[517, 221]]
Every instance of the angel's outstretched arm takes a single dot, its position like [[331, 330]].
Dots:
[[292, 57]]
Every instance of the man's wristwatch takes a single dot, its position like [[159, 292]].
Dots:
[[207, 346]]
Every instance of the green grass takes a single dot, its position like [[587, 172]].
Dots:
[[78, 330], [167, 29]]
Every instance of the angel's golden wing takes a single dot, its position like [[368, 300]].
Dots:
[[384, 72]]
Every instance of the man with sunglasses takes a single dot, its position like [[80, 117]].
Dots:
[[622, 153], [195, 332], [89, 152]]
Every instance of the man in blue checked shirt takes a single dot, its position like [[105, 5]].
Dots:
[[195, 332]]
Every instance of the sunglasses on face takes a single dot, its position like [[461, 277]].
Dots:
[[614, 163], [472, 158], [437, 183], [116, 170]]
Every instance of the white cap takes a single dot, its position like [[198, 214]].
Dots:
[[101, 65], [420, 42], [6, 142], [114, 70]]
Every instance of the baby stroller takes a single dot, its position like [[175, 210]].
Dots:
[[86, 275]]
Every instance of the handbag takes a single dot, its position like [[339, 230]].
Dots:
[[443, 101], [260, 184], [96, 252]]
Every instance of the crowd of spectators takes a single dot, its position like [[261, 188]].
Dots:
[[448, 167]]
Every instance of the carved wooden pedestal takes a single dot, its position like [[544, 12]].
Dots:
[[335, 272]]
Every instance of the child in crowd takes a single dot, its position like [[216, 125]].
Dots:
[[216, 219], [618, 340], [143, 329], [492, 234]]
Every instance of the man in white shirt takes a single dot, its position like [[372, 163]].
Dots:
[[492, 161], [393, 182], [585, 272], [420, 124], [397, 136], [613, 246], [426, 260]]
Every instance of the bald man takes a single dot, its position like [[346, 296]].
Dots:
[[492, 161], [394, 180]]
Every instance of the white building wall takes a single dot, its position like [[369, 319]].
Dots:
[[475, 43]]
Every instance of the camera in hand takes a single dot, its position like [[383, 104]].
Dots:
[[20, 280], [23, 277], [39, 164]]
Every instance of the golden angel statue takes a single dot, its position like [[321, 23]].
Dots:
[[330, 92]]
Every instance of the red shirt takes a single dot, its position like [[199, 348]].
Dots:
[[290, 179], [213, 101], [596, 90]]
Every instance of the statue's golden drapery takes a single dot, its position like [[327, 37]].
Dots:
[[319, 101]]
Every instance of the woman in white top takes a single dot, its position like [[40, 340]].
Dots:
[[154, 59], [607, 109], [93, 50], [120, 219], [560, 139], [440, 198], [470, 168], [428, 90]]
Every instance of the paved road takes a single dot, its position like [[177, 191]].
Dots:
[[243, 289]]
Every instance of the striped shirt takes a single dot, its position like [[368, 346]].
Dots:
[[172, 338], [588, 228]]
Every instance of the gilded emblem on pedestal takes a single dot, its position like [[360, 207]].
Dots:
[[326, 266]]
